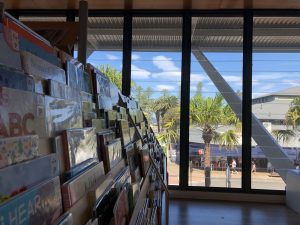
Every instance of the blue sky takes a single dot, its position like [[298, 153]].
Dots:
[[162, 70]]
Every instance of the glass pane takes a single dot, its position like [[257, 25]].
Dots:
[[215, 138], [275, 100], [156, 80], [105, 46]]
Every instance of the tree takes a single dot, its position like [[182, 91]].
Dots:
[[209, 113], [113, 74], [283, 135], [292, 117]]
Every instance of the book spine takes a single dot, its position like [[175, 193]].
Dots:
[[39, 205]]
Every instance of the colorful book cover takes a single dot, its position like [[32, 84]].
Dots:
[[35, 66], [27, 173], [79, 186], [22, 113], [79, 145], [62, 114], [17, 149], [121, 210], [9, 42], [65, 219], [56, 89], [39, 205], [12, 78]]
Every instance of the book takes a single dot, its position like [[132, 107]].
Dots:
[[112, 154], [104, 102], [17, 149], [145, 159], [9, 42], [98, 124], [12, 78], [84, 81], [86, 97], [124, 132], [78, 169], [101, 83], [56, 89], [79, 145], [79, 186], [62, 114], [28, 173], [121, 210], [65, 219], [38, 205], [22, 113], [103, 208], [111, 117], [72, 74], [35, 66], [114, 93], [103, 138]]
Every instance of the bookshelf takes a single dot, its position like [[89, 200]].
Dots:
[[88, 151]]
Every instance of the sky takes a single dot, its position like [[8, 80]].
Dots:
[[162, 70]]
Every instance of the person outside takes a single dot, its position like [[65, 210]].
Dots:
[[253, 170], [233, 166]]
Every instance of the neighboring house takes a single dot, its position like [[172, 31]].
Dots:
[[271, 110]]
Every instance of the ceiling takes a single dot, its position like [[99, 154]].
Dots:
[[154, 4]]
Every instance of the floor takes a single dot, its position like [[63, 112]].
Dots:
[[203, 212]]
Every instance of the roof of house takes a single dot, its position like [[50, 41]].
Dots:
[[292, 91]]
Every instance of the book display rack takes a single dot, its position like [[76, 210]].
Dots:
[[73, 149]]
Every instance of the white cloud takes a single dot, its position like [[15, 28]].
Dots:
[[112, 57], [236, 79], [162, 87], [196, 78], [135, 57], [170, 76], [139, 73], [164, 63]]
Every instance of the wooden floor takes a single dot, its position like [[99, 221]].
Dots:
[[203, 212]]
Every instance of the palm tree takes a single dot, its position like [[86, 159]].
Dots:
[[283, 135], [292, 117], [209, 114]]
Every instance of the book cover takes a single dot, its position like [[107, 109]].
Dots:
[[98, 124], [112, 154], [62, 114], [84, 81], [103, 208], [121, 210], [72, 93], [72, 74], [35, 66], [27, 173], [17, 149], [104, 102], [86, 97], [39, 205], [9, 42], [22, 113], [79, 145], [79, 186], [145, 160], [65, 219], [101, 83], [111, 117], [124, 132], [56, 89], [103, 138], [12, 78], [114, 93]]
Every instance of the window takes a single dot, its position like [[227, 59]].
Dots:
[[215, 102], [156, 80]]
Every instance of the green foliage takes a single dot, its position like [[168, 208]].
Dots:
[[114, 75], [292, 117], [283, 135]]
